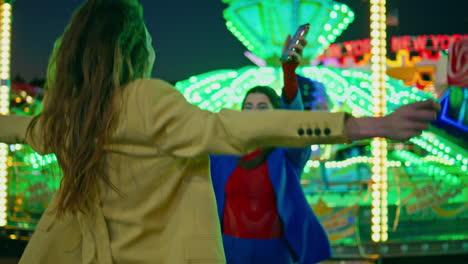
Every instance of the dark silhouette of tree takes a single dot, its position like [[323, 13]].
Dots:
[[18, 78], [37, 82]]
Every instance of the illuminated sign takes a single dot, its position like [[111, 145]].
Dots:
[[424, 44]]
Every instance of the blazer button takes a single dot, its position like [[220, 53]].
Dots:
[[327, 131], [318, 131], [300, 131], [309, 132]]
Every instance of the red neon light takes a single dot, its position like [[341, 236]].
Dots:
[[425, 44], [419, 43]]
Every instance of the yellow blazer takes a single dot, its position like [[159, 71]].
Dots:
[[158, 159]]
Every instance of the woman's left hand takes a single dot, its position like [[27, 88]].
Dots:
[[296, 54]]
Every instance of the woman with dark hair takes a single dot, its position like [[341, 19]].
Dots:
[[263, 212], [136, 186], [272, 100]]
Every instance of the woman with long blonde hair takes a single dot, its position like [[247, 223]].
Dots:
[[136, 185]]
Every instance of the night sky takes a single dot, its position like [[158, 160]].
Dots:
[[190, 36]]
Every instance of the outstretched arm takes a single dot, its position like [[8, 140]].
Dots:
[[404, 123], [178, 128], [182, 129], [13, 128], [290, 89]]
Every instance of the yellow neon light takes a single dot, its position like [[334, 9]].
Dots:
[[378, 60], [5, 35]]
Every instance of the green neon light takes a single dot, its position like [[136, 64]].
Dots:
[[348, 90], [262, 25], [438, 172]]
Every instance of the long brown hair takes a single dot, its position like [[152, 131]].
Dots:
[[102, 49]]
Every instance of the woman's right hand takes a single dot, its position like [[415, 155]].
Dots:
[[406, 122], [410, 120]]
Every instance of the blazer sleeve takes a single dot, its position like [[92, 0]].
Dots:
[[296, 104], [182, 129], [297, 156], [13, 128]]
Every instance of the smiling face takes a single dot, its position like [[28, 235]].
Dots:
[[257, 101]]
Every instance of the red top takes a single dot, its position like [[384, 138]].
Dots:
[[250, 206]]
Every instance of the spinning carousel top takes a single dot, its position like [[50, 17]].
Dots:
[[262, 25]]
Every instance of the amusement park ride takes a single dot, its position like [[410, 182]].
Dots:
[[373, 197]]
